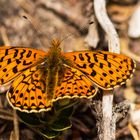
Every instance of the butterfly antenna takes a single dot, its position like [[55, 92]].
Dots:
[[83, 29], [36, 29], [67, 36]]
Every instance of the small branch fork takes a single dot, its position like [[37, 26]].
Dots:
[[108, 121]]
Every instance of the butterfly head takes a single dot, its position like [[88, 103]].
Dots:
[[55, 48], [55, 43]]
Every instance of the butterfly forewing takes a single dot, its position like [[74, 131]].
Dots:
[[106, 70], [14, 60]]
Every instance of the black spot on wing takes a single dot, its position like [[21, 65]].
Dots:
[[104, 74], [27, 88], [16, 53], [29, 54], [88, 57], [11, 90], [39, 97], [81, 57], [91, 65], [22, 53], [18, 103], [26, 84], [26, 63], [74, 57], [110, 71], [16, 91], [105, 57], [32, 98], [101, 65], [81, 66], [95, 58], [1, 60], [9, 61], [101, 79], [93, 73], [35, 55], [111, 80], [4, 70], [109, 64], [15, 70], [18, 61], [21, 95], [120, 67], [2, 80], [6, 52], [106, 84]]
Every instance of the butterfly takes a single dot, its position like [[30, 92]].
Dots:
[[40, 78]]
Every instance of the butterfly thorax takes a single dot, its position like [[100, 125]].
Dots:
[[54, 65]]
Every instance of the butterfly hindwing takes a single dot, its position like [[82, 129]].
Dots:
[[14, 60], [28, 91], [74, 84], [107, 70]]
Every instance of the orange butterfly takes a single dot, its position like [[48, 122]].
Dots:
[[40, 78]]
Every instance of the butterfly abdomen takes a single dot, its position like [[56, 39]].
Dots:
[[53, 67]]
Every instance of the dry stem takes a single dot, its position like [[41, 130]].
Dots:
[[108, 126]]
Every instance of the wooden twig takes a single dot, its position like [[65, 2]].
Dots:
[[133, 131], [16, 125], [6, 117], [108, 126]]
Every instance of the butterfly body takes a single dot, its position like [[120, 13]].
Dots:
[[40, 78], [54, 69]]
